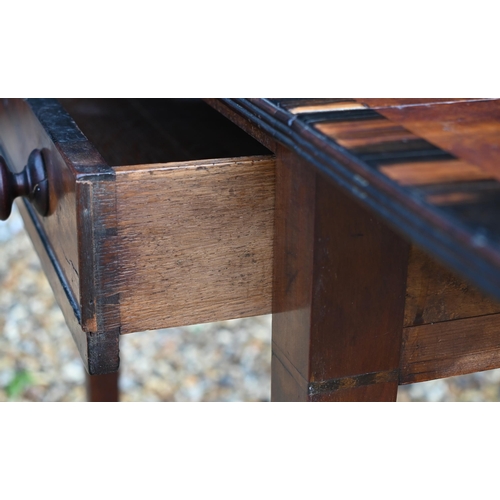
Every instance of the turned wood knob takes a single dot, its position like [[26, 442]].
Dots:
[[31, 183]]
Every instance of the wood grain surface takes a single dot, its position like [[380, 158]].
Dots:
[[365, 133], [450, 348], [195, 241], [292, 278], [434, 172], [338, 294]]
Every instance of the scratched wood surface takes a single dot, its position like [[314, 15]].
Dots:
[[195, 241]]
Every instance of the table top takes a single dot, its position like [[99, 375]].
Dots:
[[429, 167]]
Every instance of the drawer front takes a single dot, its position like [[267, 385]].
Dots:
[[20, 133], [69, 237], [131, 248]]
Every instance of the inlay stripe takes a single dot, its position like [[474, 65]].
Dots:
[[401, 102], [454, 198], [356, 127], [433, 172], [293, 103], [414, 148], [322, 108], [365, 133], [397, 152], [339, 115]]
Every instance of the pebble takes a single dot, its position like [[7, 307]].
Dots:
[[226, 361]]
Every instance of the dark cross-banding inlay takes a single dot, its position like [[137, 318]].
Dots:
[[452, 185]]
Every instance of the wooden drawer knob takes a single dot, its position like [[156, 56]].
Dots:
[[31, 183]]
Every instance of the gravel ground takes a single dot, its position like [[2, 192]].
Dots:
[[226, 361]]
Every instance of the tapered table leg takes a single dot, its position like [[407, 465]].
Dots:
[[339, 293], [102, 388]]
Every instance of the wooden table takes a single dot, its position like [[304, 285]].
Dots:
[[369, 227], [366, 191]]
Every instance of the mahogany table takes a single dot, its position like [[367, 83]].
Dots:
[[368, 227]]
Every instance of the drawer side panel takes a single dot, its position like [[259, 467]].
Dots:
[[195, 241]]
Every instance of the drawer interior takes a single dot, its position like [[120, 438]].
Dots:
[[142, 131]]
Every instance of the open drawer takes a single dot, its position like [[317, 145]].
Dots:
[[160, 214]]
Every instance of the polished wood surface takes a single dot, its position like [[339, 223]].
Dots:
[[468, 130], [366, 150], [292, 276], [433, 172], [339, 292]]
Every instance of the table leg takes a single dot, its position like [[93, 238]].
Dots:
[[102, 388], [338, 294]]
